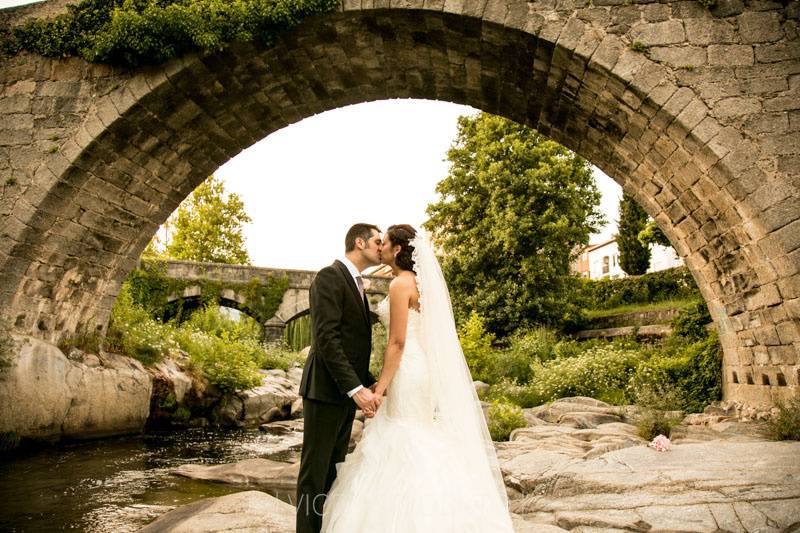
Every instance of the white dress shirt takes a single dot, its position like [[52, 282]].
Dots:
[[355, 273]]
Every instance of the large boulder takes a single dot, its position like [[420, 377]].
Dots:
[[45, 395], [270, 401], [244, 512]]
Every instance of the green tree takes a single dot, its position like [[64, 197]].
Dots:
[[652, 234], [207, 226], [634, 257], [511, 212]]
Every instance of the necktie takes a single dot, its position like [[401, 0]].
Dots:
[[360, 286]]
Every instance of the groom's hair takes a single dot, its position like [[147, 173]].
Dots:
[[358, 230]]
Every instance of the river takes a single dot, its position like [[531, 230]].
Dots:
[[120, 484]]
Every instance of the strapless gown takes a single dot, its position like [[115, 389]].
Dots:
[[402, 477]]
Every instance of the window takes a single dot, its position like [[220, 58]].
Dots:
[[605, 264]]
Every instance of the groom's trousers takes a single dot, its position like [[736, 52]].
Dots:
[[326, 436]]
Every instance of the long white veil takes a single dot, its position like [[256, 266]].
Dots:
[[458, 410]]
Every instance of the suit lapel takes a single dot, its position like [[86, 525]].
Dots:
[[354, 289]]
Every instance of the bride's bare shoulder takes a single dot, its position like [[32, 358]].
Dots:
[[404, 280]]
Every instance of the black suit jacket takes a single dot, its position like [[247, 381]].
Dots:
[[341, 338]]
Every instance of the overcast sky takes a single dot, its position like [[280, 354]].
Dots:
[[379, 162]]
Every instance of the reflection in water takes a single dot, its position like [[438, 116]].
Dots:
[[120, 484]]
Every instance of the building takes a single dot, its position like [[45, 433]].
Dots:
[[602, 260]]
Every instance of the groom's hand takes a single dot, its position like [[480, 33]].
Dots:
[[366, 401]]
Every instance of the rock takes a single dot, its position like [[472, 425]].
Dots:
[[480, 387], [283, 427], [522, 526], [295, 375], [270, 401], [45, 395], [694, 487], [587, 420], [296, 410], [180, 381], [554, 411], [264, 474], [244, 512]]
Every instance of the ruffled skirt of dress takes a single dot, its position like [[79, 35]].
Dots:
[[404, 477]]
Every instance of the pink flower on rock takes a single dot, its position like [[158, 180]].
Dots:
[[661, 444]]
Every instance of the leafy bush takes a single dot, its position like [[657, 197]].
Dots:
[[212, 320], [228, 364], [526, 347], [652, 423], [690, 322], [137, 32], [279, 355], [503, 419], [694, 369], [476, 342], [672, 283], [134, 332], [786, 424]]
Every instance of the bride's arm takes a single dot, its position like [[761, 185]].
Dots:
[[400, 291]]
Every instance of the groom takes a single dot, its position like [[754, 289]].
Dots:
[[336, 376]]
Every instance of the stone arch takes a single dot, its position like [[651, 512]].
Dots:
[[194, 295], [690, 144]]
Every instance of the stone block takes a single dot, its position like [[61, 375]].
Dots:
[[679, 56], [759, 27], [703, 31], [736, 106], [659, 33], [730, 54], [784, 51]]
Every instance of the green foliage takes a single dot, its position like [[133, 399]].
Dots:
[[634, 257], [476, 344], [525, 347], [511, 211], [213, 321], [151, 288], [638, 46], [504, 418], [652, 423], [690, 322], [182, 415], [708, 4], [207, 227], [298, 332], [672, 283], [785, 425], [653, 234], [133, 331], [279, 355], [695, 370], [140, 32]]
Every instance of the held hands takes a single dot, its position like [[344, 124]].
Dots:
[[368, 401]]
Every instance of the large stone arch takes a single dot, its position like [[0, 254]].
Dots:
[[702, 129]]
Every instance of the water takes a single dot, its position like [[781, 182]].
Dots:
[[121, 484]]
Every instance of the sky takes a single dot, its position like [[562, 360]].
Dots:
[[377, 162]]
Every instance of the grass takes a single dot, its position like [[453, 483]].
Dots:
[[639, 308]]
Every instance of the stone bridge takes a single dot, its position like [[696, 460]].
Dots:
[[694, 112], [295, 299]]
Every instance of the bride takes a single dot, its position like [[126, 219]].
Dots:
[[425, 461]]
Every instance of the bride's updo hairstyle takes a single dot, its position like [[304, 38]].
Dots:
[[402, 234]]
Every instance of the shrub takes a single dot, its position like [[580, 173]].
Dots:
[[652, 423], [476, 342], [153, 31], [601, 370], [669, 284], [279, 355], [228, 364], [134, 332], [212, 320], [690, 322], [785, 425], [504, 418]]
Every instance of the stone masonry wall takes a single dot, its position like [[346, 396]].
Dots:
[[696, 113]]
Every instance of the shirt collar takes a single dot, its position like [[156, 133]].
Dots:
[[350, 267]]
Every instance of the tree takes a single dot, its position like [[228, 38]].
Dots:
[[207, 226], [634, 256], [510, 214], [653, 234]]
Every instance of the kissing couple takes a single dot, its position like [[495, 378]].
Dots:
[[425, 461]]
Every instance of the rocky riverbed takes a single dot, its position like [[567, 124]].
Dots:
[[578, 466]]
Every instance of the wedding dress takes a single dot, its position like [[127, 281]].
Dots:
[[412, 471]]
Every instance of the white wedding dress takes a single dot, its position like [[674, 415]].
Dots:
[[403, 476]]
